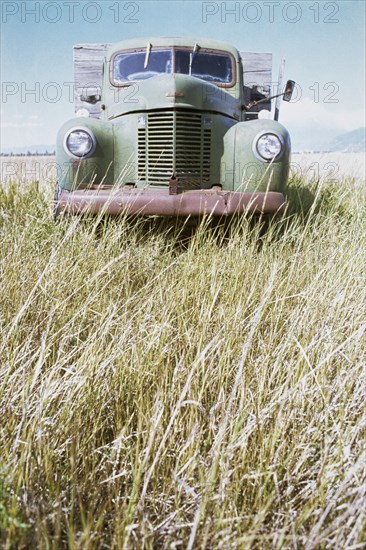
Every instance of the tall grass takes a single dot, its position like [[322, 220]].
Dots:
[[165, 392]]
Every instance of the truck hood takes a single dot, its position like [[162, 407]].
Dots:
[[165, 91]]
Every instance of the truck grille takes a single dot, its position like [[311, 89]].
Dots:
[[174, 142]]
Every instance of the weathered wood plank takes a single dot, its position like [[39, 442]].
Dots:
[[257, 77], [88, 74]]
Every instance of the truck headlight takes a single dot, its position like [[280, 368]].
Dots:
[[80, 142], [269, 146]]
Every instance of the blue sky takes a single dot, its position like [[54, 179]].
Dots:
[[323, 43]]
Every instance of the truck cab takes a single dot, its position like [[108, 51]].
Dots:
[[169, 126]]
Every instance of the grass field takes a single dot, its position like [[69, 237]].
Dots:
[[165, 392]]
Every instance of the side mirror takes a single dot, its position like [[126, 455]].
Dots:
[[290, 85]]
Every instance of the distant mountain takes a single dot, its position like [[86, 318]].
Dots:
[[33, 149], [350, 142]]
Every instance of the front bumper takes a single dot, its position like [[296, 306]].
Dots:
[[159, 202]]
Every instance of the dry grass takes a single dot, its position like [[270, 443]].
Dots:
[[333, 167], [206, 394], [23, 170]]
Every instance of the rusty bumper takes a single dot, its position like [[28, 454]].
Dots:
[[158, 202]]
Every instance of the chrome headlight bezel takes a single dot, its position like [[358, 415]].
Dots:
[[91, 136], [276, 156]]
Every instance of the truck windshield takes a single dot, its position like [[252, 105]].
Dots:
[[210, 66]]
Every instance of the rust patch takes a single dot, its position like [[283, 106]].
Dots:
[[173, 185]]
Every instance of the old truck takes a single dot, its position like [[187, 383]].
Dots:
[[172, 127]]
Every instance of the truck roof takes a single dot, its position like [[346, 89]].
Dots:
[[158, 41]]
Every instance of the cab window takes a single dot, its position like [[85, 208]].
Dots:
[[212, 67]]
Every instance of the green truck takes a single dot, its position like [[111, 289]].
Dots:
[[172, 127]]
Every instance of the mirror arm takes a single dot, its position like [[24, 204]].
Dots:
[[91, 98], [264, 100]]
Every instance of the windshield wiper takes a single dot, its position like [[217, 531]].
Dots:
[[148, 50], [192, 56]]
